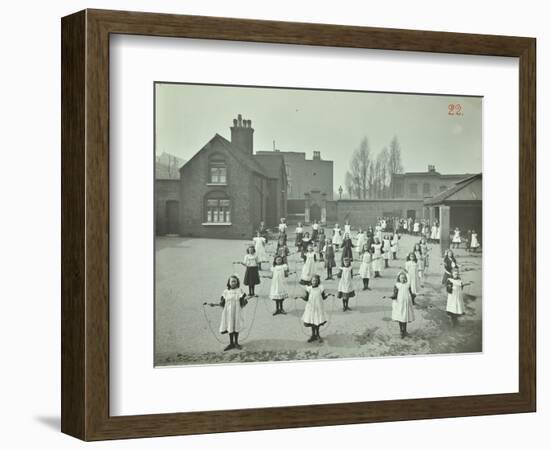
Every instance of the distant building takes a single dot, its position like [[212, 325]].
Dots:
[[421, 185], [309, 184], [224, 190]]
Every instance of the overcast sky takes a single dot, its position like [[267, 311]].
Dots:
[[332, 122]]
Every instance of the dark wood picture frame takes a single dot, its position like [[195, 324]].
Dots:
[[85, 224]]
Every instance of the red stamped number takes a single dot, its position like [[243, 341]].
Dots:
[[455, 109]]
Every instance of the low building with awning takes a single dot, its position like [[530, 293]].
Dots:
[[458, 206]]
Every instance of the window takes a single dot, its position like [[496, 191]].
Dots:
[[218, 209], [413, 188], [426, 189], [217, 170], [398, 189]]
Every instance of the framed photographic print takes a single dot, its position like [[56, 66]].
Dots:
[[273, 225]]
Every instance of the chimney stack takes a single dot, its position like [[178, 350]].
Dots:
[[431, 168], [242, 135]]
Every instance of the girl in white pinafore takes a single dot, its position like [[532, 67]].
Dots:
[[308, 269], [337, 237], [361, 241], [279, 289], [314, 313], [411, 266], [402, 306], [377, 257], [433, 234], [455, 297], [365, 269], [474, 244], [347, 228], [394, 245], [345, 286], [456, 238], [259, 246], [233, 301]]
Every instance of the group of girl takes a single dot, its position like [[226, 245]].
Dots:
[[371, 251]]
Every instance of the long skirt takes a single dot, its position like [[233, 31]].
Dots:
[[251, 276]]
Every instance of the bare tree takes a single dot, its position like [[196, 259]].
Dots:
[[350, 184], [359, 168], [371, 181], [381, 173], [395, 165]]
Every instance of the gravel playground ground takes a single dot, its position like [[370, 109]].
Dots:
[[191, 271]]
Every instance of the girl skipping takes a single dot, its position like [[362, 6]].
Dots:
[[474, 242], [279, 289], [308, 269], [251, 274], [314, 313], [337, 237], [361, 241], [457, 240], [306, 240], [321, 242], [299, 235], [426, 253], [419, 262], [386, 247], [365, 269], [394, 245], [449, 263], [411, 267], [455, 297], [259, 246], [314, 231], [347, 247], [376, 257], [330, 260], [402, 305], [233, 300], [347, 227], [345, 286]]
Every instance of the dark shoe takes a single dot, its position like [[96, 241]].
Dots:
[[311, 339], [238, 346], [229, 347], [320, 339], [276, 312], [282, 311]]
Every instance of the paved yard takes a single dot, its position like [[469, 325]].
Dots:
[[190, 271]]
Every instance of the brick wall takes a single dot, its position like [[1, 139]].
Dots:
[[365, 212]]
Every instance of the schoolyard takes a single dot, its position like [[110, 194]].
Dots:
[[191, 271]]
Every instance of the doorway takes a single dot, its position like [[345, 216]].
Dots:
[[315, 213]]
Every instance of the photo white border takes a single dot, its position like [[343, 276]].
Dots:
[[136, 387]]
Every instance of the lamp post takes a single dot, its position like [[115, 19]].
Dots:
[[340, 190]]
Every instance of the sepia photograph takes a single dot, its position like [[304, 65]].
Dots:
[[297, 224]]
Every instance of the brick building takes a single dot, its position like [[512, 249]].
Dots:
[[310, 184], [421, 185], [224, 190]]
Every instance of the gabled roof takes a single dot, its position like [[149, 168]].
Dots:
[[244, 160], [448, 193]]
